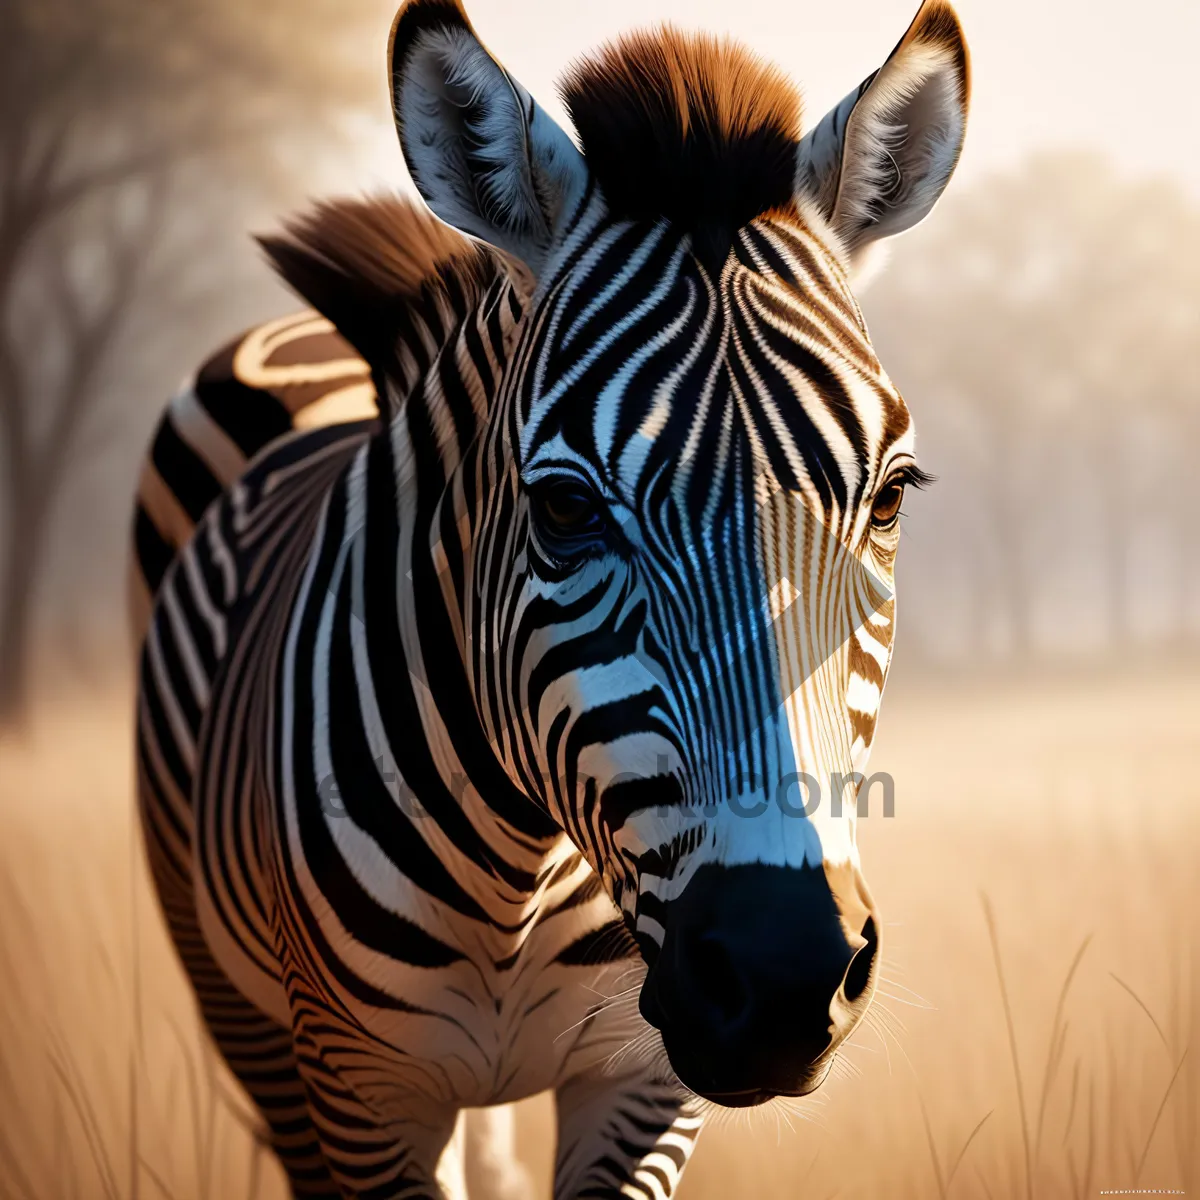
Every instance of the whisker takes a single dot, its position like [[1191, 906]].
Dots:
[[849, 1044], [607, 1005], [846, 1069], [905, 988], [595, 1012], [873, 1025], [901, 1000], [889, 1018], [636, 970], [634, 1048], [886, 1026]]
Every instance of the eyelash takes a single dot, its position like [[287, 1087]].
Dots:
[[911, 475]]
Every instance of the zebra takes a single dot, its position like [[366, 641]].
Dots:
[[479, 724]]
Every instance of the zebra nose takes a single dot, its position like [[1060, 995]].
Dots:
[[756, 983]]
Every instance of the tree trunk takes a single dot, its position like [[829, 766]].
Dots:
[[26, 543]]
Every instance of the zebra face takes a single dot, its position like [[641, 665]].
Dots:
[[705, 624], [695, 467]]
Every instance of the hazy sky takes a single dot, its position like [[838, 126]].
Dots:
[[1117, 76]]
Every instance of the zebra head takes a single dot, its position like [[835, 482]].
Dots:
[[689, 487]]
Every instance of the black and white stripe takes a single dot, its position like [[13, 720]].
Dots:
[[423, 772]]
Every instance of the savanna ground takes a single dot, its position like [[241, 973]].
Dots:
[[1031, 1038]]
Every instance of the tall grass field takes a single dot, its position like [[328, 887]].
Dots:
[[1034, 1036]]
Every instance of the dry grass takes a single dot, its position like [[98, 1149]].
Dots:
[[1035, 1039]]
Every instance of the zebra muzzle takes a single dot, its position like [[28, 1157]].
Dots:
[[757, 984]]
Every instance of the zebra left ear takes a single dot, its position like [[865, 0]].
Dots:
[[483, 154], [877, 163]]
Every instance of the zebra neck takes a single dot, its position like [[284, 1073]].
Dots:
[[407, 501]]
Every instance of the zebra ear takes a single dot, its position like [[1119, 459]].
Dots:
[[483, 154], [877, 163]]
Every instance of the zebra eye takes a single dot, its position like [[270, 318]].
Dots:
[[887, 505], [566, 509]]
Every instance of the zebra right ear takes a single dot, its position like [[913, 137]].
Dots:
[[877, 163], [483, 154]]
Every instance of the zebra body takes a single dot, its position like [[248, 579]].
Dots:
[[516, 955], [461, 726]]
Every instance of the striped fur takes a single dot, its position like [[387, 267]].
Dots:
[[424, 774]]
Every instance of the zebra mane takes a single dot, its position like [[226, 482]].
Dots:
[[375, 264], [690, 127]]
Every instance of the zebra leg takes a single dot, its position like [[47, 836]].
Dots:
[[380, 1141], [391, 1149], [492, 1167], [259, 1053], [621, 1137], [257, 1049]]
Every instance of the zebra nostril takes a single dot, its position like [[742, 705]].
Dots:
[[716, 978], [858, 973]]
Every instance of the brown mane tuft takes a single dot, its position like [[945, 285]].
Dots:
[[368, 264], [690, 127]]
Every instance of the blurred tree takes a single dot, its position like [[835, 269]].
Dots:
[[1043, 328], [130, 135]]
